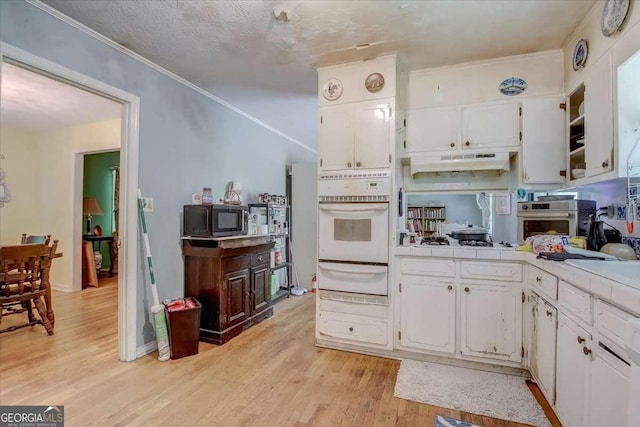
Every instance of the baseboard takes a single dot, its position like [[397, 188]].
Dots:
[[145, 349], [61, 288]]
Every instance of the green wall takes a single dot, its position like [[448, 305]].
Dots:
[[97, 182]]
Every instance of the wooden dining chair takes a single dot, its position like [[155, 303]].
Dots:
[[24, 278]]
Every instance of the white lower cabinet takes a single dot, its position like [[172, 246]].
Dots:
[[427, 314], [608, 390], [491, 321], [542, 352], [572, 372]]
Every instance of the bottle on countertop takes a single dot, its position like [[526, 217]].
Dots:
[[207, 196]]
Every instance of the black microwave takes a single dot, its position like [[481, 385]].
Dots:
[[214, 220]]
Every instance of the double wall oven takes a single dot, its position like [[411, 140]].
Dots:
[[353, 232]]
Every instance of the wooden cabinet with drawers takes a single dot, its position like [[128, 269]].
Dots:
[[231, 280]]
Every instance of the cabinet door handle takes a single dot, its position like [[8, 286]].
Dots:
[[538, 279], [467, 143], [452, 145], [586, 351], [450, 287], [349, 164], [358, 164], [350, 328], [549, 314], [466, 289], [580, 340]]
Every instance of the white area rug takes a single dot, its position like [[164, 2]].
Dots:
[[485, 393]]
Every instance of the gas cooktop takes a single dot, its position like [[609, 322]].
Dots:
[[480, 243], [434, 241]]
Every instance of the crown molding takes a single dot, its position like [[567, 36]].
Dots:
[[105, 40]]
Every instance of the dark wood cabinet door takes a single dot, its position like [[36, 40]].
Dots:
[[260, 288], [237, 308]]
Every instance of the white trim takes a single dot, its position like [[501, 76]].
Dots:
[[145, 349], [127, 281], [101, 38]]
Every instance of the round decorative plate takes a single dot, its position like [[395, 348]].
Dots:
[[614, 13], [580, 54], [512, 86], [332, 89], [374, 82]]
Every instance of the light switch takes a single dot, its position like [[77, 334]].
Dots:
[[147, 204]]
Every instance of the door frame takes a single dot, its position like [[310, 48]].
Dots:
[[128, 223]]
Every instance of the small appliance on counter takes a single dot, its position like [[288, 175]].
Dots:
[[208, 221]]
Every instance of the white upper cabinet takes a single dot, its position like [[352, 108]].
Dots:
[[432, 129], [598, 117], [427, 329], [355, 136], [336, 137], [543, 140], [371, 148], [491, 321], [490, 126], [478, 127]]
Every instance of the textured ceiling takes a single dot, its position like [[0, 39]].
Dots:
[[239, 51], [37, 103]]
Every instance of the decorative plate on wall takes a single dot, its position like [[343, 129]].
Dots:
[[512, 86], [374, 82], [614, 13], [580, 54], [332, 89]]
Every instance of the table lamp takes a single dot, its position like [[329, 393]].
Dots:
[[90, 207]]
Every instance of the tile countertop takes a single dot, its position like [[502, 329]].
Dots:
[[621, 290]]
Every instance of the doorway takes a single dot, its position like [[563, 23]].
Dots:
[[11, 56]]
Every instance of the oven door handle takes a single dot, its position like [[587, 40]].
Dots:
[[531, 215], [371, 270], [351, 208]]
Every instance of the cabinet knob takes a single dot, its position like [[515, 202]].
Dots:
[[605, 164], [358, 164], [349, 164], [586, 351], [467, 143], [466, 289], [259, 257], [350, 328], [549, 314], [450, 287], [580, 340], [452, 145], [538, 279]]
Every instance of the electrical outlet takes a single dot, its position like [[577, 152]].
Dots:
[[147, 204]]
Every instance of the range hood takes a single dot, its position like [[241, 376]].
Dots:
[[496, 162]]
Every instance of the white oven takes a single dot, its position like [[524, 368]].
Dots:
[[358, 278], [353, 232]]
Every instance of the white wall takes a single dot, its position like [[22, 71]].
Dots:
[[21, 168], [42, 166]]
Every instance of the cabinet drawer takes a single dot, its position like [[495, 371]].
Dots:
[[236, 263], [503, 271], [260, 258], [360, 309], [544, 282], [611, 322], [576, 301], [428, 267], [352, 327]]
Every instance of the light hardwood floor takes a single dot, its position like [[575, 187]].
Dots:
[[270, 375]]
